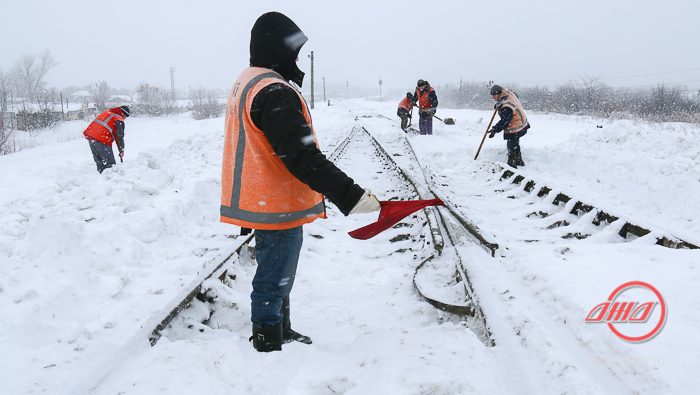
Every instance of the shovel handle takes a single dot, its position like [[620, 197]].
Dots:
[[485, 133]]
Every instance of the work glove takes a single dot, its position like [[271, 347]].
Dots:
[[368, 203], [121, 154], [492, 133]]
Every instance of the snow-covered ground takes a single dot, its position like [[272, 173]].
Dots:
[[87, 259], [543, 285]]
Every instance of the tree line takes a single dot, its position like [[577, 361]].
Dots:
[[588, 96]]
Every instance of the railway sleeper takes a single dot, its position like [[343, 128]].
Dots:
[[580, 208], [544, 191], [561, 199], [530, 186]]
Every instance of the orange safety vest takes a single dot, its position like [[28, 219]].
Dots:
[[519, 120], [423, 99], [257, 189], [104, 127], [406, 104]]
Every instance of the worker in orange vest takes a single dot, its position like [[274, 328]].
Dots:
[[274, 176], [405, 109], [427, 103], [106, 128], [513, 123]]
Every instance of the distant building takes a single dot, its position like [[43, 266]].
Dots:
[[82, 97]]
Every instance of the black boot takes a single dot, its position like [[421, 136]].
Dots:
[[519, 158], [267, 338], [288, 334], [511, 161]]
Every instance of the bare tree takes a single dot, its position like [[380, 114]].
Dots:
[[205, 104], [46, 99], [592, 89], [29, 74], [100, 93], [6, 143], [151, 99], [4, 93], [5, 133]]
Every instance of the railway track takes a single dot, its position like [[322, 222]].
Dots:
[[429, 245], [627, 229], [568, 215], [426, 238]]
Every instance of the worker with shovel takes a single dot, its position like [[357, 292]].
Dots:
[[427, 104], [513, 123], [107, 128], [406, 109]]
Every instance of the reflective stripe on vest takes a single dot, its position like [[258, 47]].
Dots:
[[105, 123], [234, 211], [103, 127]]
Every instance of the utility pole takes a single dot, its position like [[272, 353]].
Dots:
[[380, 89], [312, 79], [172, 82], [324, 89], [63, 115]]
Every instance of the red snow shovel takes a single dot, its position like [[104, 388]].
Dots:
[[391, 213]]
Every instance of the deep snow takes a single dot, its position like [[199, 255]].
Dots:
[[86, 259]]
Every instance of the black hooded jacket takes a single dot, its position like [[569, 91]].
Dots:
[[275, 43]]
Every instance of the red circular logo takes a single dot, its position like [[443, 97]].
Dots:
[[662, 318]]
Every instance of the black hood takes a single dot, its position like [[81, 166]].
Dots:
[[275, 41]]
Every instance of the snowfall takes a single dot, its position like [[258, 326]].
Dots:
[[90, 262]]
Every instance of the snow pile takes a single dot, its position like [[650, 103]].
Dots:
[[86, 258], [543, 284]]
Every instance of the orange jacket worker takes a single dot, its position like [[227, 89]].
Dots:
[[106, 128], [404, 110], [274, 176]]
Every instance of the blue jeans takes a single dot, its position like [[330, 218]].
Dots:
[[277, 254], [425, 124]]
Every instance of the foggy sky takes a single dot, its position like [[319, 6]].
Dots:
[[125, 42]]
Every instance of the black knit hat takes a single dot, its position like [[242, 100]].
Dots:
[[126, 110], [496, 90]]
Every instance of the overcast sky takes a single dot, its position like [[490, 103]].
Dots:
[[125, 42]]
